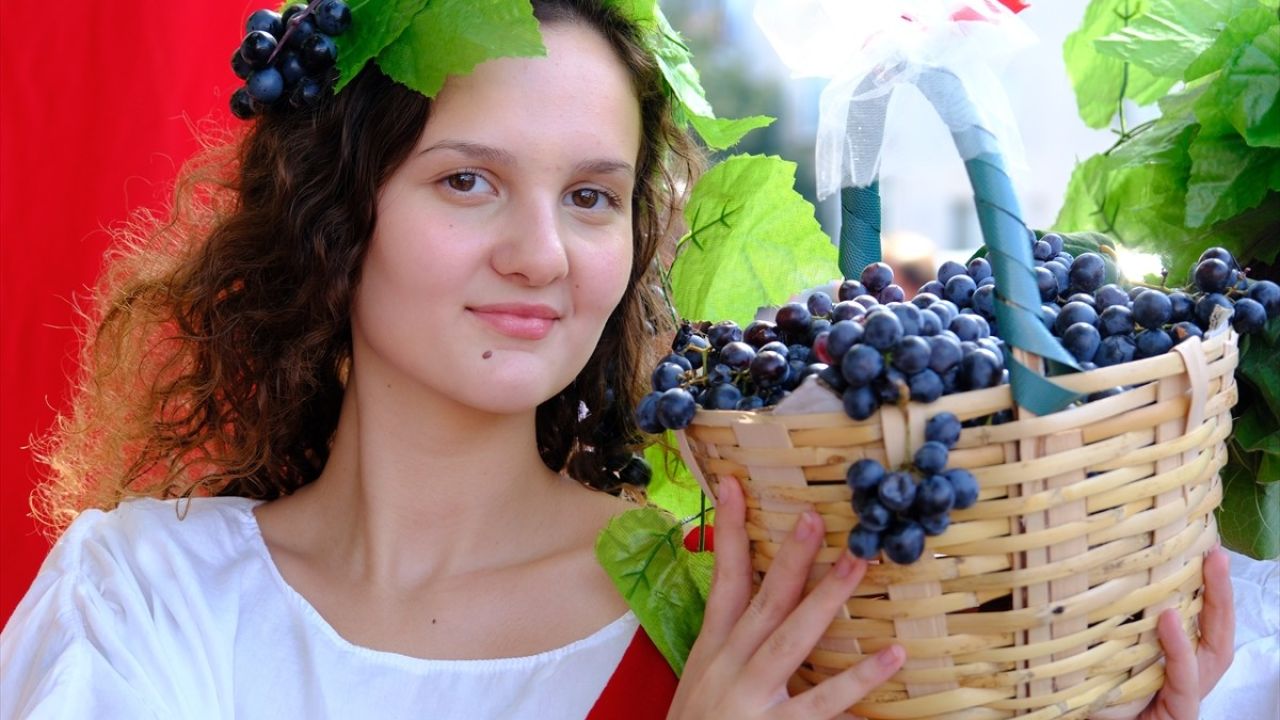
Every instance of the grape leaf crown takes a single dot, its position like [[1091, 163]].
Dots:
[[420, 43]]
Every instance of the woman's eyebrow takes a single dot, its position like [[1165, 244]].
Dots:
[[604, 166], [486, 153]]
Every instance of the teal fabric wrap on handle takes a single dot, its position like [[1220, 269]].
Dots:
[[1004, 233]]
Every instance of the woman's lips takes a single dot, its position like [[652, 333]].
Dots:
[[524, 322]]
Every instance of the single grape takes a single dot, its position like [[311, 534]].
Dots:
[[1116, 320], [873, 515], [1266, 294], [861, 365], [819, 304], [867, 301], [318, 52], [1207, 305], [751, 402], [768, 368], [695, 352], [934, 525], [979, 269], [1086, 298], [934, 495], [897, 491], [1219, 253], [931, 458], [1054, 240], [859, 402], [930, 325], [1047, 283], [267, 21], [1042, 251], [1072, 313], [793, 319], [776, 346], [1087, 272], [333, 17], [1152, 342], [647, 414], [984, 300], [876, 277], [945, 310], [678, 359], [288, 13], [676, 408], [882, 330], [1049, 315], [1185, 330], [849, 289], [256, 48], [843, 335], [834, 379], [1060, 273], [964, 485], [847, 310], [903, 543], [980, 369], [760, 333], [948, 270], [1152, 309], [240, 66], [926, 386], [723, 333], [719, 374], [891, 294], [1108, 295], [960, 290], [864, 476], [967, 326], [242, 104], [1250, 317], [666, 376], [1082, 341], [924, 299], [864, 543], [265, 85], [303, 29], [1182, 307], [911, 354], [933, 287], [908, 315], [1212, 275], [722, 397], [1115, 349], [290, 67]]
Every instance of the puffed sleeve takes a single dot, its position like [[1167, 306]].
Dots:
[[84, 642]]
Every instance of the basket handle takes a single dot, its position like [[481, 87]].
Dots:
[[1005, 235]]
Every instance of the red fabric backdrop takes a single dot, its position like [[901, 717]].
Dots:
[[95, 104]]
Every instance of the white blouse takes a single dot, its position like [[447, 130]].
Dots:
[[136, 614]]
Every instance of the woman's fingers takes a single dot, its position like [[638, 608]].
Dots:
[[780, 591], [834, 695], [731, 580], [1217, 622], [1180, 696], [789, 645]]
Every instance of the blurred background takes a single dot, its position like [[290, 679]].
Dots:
[[98, 114]]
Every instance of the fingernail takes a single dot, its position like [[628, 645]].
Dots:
[[805, 526], [890, 656], [844, 566]]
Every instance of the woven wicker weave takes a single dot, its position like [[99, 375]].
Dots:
[[1040, 601]]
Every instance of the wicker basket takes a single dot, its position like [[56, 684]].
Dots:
[[1040, 601]]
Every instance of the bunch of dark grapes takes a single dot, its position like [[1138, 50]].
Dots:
[[897, 509], [1106, 324], [288, 57]]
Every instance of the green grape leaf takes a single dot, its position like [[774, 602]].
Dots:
[[1239, 31], [375, 25], [676, 62], [451, 37], [1098, 78], [1249, 517], [1170, 34], [1243, 98], [1255, 431], [753, 241], [643, 12], [672, 487], [1227, 177], [665, 584], [1258, 366]]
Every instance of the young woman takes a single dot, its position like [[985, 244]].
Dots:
[[384, 369]]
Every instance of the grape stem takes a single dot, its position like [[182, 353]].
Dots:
[[288, 31]]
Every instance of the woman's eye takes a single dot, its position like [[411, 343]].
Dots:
[[591, 199], [465, 182]]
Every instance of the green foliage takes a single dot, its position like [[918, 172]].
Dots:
[[672, 487], [1206, 172], [421, 43], [753, 240], [665, 584]]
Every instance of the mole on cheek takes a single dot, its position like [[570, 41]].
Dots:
[[487, 354]]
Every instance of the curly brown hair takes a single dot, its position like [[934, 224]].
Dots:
[[218, 338]]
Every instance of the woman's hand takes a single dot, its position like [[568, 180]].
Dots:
[[1190, 675], [749, 647]]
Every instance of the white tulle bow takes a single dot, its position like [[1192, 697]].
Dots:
[[869, 47]]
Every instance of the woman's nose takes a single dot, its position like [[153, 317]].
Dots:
[[532, 247]]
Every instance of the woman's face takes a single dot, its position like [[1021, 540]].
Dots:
[[504, 242]]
